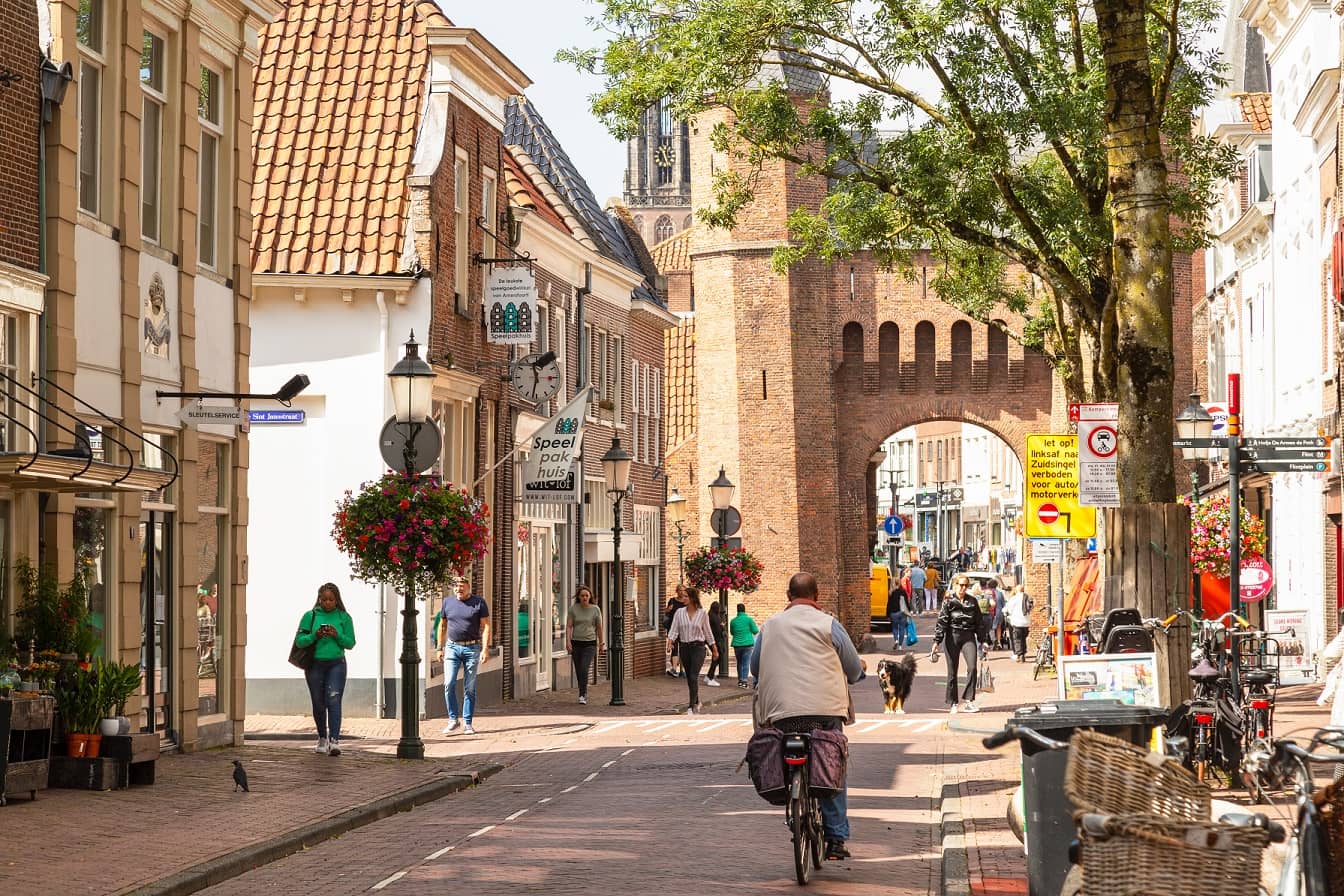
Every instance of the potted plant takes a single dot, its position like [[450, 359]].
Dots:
[[79, 701], [116, 683]]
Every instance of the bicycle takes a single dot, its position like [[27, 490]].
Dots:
[[1310, 865], [802, 812], [1045, 652]]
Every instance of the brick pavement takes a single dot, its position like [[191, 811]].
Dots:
[[76, 841]]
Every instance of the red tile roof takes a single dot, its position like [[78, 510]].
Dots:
[[339, 90], [1258, 111], [672, 255]]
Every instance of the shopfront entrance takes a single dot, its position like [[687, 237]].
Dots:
[[536, 598], [157, 613]]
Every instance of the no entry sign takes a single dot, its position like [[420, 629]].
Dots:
[[1256, 580], [1047, 513]]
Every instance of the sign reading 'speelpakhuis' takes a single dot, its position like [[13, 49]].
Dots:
[[550, 472], [510, 306]]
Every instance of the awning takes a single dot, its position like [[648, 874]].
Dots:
[[57, 473]]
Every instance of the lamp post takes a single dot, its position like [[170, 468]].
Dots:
[[721, 492], [1195, 425], [676, 515], [616, 467], [412, 382]]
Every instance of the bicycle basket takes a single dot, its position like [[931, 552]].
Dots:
[[1330, 803], [1115, 777], [1134, 854], [1260, 654], [765, 764]]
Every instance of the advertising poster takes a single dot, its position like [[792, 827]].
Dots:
[[1130, 678], [549, 469], [1292, 629], [510, 306]]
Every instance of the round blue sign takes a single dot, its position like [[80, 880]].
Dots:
[[893, 526]]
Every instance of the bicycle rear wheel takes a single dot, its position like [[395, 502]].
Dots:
[[801, 825], [815, 840]]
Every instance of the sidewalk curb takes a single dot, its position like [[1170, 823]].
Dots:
[[240, 861], [956, 872], [680, 708]]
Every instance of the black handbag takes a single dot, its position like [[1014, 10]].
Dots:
[[303, 657]]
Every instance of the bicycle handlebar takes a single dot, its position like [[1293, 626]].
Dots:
[[999, 738]]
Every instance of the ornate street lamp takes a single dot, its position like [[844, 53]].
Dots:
[[721, 492], [676, 515], [412, 383], [616, 468]]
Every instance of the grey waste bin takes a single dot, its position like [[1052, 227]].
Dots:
[[1048, 813]]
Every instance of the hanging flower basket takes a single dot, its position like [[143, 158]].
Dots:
[[1210, 538], [415, 529], [712, 569]]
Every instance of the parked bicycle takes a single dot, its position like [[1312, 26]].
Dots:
[[1315, 855], [1045, 651], [1212, 719], [802, 812]]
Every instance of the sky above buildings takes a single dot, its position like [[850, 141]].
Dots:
[[530, 32]]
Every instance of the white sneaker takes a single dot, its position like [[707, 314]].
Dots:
[[969, 706], [690, 711], [322, 746], [468, 730], [952, 709], [450, 727], [712, 682], [583, 699]]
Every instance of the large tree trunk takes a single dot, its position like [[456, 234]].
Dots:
[[1141, 208]]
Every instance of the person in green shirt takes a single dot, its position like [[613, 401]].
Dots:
[[743, 631], [330, 628]]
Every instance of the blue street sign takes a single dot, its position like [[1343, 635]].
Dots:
[[893, 526], [1092, 545], [275, 416]]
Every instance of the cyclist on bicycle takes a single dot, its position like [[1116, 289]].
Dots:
[[804, 663]]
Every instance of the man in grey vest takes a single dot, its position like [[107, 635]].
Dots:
[[804, 663]]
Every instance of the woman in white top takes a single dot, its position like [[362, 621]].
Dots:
[[1018, 611], [690, 636]]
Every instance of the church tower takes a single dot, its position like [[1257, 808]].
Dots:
[[658, 175]]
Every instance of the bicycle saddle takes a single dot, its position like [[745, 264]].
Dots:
[[1259, 676], [1205, 671]]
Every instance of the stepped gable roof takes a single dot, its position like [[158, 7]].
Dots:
[[1257, 109], [673, 255], [525, 194], [339, 96], [524, 128]]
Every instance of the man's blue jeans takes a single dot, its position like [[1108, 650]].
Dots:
[[326, 687], [466, 657], [835, 815]]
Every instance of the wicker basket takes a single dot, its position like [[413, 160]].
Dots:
[[1114, 777], [1147, 856], [1330, 802]]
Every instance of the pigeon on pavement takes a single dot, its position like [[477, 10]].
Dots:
[[239, 777]]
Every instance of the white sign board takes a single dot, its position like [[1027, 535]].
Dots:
[[214, 414], [510, 306], [1098, 444], [550, 471], [1047, 550], [1295, 655]]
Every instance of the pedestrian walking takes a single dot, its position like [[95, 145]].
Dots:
[[916, 596], [328, 626], [718, 626], [463, 633], [931, 579], [691, 635], [957, 628], [583, 637], [916, 574], [1018, 613], [743, 630], [674, 603], [1333, 692], [898, 611]]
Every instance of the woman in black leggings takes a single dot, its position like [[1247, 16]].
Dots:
[[691, 636], [958, 627]]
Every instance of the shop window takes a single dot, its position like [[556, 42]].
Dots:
[[212, 632]]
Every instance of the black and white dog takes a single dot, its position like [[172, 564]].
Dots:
[[896, 678]]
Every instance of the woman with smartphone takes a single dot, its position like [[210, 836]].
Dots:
[[331, 629]]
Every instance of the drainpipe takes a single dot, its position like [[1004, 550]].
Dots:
[[379, 707], [582, 292]]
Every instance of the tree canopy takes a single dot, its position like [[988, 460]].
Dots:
[[1025, 143]]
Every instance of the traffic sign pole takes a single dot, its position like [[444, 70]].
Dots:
[[1234, 489]]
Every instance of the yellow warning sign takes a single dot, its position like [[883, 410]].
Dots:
[[1052, 507]]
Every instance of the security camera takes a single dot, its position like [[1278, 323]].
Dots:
[[297, 383]]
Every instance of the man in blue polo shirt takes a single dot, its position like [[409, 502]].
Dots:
[[462, 631]]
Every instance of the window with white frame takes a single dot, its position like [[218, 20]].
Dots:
[[457, 423], [636, 443], [561, 354], [656, 415], [89, 33], [617, 372], [488, 212], [9, 363], [648, 558], [1259, 173], [153, 82], [586, 355], [210, 114], [461, 192]]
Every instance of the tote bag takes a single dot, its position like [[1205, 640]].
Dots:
[[303, 656], [911, 636]]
